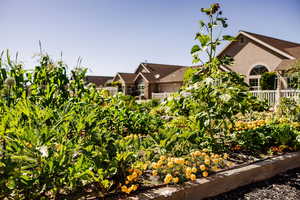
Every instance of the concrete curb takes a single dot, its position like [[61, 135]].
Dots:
[[224, 181]]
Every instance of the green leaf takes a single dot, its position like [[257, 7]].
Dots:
[[228, 38], [195, 49], [10, 184], [203, 39]]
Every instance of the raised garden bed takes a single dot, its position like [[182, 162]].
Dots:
[[223, 181]]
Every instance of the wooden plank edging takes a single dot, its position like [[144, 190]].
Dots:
[[224, 181]]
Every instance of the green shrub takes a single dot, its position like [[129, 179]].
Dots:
[[268, 81]]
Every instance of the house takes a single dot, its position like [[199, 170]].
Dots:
[[255, 54], [151, 78], [99, 81]]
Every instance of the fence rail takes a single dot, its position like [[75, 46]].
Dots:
[[271, 96], [161, 95]]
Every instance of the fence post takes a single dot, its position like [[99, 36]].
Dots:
[[278, 91]]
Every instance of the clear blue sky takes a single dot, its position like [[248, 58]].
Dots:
[[116, 35]]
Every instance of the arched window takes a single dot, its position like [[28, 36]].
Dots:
[[258, 70], [255, 75]]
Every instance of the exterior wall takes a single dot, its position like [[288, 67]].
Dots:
[[169, 87], [249, 54]]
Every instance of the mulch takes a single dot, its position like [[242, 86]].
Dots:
[[285, 186]]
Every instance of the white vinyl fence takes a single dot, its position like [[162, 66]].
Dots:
[[161, 95], [273, 96]]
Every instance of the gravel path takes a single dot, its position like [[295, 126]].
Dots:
[[285, 186]]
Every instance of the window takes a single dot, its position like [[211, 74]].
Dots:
[[141, 87], [258, 70], [253, 82]]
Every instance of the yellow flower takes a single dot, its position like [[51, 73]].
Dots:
[[160, 162], [187, 175], [170, 164], [134, 175], [216, 161], [215, 168], [162, 158], [179, 161], [168, 179], [133, 188], [202, 167], [130, 178], [188, 170], [194, 169], [138, 172], [154, 172], [175, 180], [205, 173], [207, 161], [225, 156], [193, 177], [155, 165], [125, 189]]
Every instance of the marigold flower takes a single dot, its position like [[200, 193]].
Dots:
[[160, 162], [194, 169], [207, 161], [193, 177], [188, 170], [205, 173], [170, 164], [175, 180], [202, 167], [225, 156], [168, 179], [154, 173], [162, 158]]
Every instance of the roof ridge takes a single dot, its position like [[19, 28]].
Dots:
[[274, 38], [145, 63]]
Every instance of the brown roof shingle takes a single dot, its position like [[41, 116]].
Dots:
[[286, 64], [127, 77], [98, 80], [288, 47], [161, 69]]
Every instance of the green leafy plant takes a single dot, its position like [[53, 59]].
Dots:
[[268, 81]]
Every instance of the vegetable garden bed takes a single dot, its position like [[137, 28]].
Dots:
[[223, 181]]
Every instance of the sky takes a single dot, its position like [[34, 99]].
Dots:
[[116, 35]]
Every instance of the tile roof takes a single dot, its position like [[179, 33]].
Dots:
[[288, 47], [98, 80]]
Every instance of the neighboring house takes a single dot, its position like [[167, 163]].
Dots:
[[99, 81], [255, 54], [151, 78]]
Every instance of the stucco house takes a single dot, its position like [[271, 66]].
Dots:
[[151, 78], [255, 54]]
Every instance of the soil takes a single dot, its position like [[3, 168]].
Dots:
[[285, 186]]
